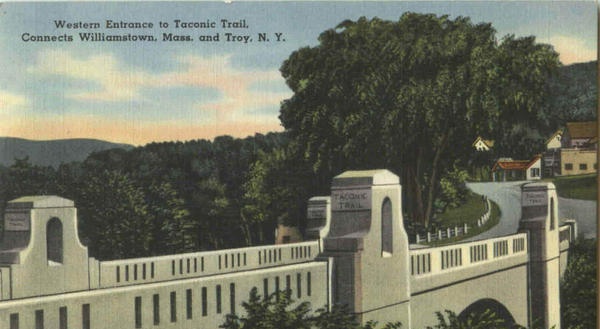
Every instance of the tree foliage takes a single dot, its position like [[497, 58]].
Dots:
[[410, 96], [280, 311], [453, 190], [120, 225], [277, 190], [272, 312], [579, 286], [480, 320], [573, 95], [161, 198]]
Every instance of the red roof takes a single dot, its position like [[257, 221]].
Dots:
[[515, 164]]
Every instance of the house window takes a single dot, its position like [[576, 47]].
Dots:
[[595, 166], [583, 166], [568, 166], [535, 172]]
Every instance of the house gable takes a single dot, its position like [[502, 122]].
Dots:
[[481, 144]]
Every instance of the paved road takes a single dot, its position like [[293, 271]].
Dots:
[[584, 211], [508, 197]]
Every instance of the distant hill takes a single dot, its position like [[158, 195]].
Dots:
[[573, 93], [52, 152]]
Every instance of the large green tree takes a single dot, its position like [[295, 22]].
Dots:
[[276, 192], [411, 96], [113, 217]]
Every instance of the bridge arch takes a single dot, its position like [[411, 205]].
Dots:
[[493, 305]]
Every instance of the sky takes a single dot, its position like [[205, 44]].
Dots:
[[138, 92]]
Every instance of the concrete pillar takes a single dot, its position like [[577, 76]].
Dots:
[[42, 248], [319, 219], [369, 246], [539, 219]]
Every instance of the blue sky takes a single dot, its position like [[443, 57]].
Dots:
[[136, 92]]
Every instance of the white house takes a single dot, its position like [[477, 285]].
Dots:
[[555, 141], [508, 169], [481, 144]]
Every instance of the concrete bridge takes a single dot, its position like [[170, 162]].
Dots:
[[357, 254]]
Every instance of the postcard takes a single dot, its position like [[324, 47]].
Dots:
[[298, 164]]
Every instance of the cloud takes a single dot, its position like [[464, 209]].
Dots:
[[10, 101], [235, 85], [114, 82], [103, 82], [572, 50]]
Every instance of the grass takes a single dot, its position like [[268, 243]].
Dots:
[[469, 213], [577, 187]]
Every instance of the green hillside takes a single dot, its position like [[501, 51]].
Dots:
[[52, 152], [573, 94]]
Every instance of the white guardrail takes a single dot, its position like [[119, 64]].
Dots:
[[450, 232]]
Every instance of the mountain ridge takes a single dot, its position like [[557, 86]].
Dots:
[[52, 152]]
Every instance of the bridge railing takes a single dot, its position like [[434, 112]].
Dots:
[[564, 233], [567, 234], [170, 267], [429, 261]]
